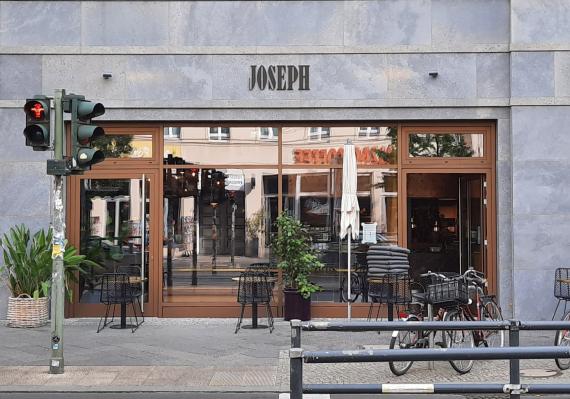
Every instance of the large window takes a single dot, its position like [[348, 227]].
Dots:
[[219, 134], [319, 133]]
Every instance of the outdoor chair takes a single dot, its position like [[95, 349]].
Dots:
[[254, 289], [116, 290], [561, 288], [390, 289], [136, 282]]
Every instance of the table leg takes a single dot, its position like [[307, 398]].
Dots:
[[123, 315], [254, 315]]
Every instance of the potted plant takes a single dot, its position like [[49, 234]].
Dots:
[[28, 270], [298, 260], [253, 228]]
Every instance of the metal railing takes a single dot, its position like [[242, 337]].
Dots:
[[514, 353]]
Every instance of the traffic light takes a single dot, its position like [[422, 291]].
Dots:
[[37, 131], [83, 133]]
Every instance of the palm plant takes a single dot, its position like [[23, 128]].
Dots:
[[28, 262]]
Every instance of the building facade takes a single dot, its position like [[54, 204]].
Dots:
[[220, 115]]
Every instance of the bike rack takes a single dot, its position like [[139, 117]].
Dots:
[[513, 353]]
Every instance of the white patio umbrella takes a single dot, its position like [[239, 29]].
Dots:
[[350, 211]]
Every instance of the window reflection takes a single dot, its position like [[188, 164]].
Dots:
[[220, 145], [314, 197], [216, 224], [446, 145], [375, 146]]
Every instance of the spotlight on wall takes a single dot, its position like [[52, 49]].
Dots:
[[433, 74], [107, 75]]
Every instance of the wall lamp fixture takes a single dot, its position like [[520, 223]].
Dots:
[[107, 75], [433, 74]]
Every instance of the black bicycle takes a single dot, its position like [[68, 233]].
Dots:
[[358, 284]]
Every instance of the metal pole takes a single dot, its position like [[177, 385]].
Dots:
[[58, 247], [514, 364], [296, 373], [349, 282], [295, 333]]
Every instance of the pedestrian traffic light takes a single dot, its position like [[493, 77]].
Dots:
[[83, 133], [37, 131]]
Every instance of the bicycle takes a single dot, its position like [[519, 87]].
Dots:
[[358, 285], [415, 339], [481, 307], [562, 293]]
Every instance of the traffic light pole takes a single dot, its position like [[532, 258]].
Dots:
[[58, 246]]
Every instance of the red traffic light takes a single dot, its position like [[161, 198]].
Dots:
[[35, 110]]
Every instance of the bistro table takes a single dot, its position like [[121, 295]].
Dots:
[[254, 318], [123, 324]]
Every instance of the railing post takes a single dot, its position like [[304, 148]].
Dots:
[[295, 333], [296, 373], [514, 364]]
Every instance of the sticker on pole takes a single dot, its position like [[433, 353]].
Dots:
[[57, 250]]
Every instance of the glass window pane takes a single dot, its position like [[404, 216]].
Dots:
[[378, 146], [125, 145], [217, 223], [460, 145], [215, 145], [314, 197]]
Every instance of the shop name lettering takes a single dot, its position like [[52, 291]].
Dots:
[[279, 77], [326, 156]]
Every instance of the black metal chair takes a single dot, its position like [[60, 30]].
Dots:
[[116, 290], [136, 282], [561, 288], [254, 289], [391, 289]]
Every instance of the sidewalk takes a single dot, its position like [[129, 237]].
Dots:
[[205, 355]]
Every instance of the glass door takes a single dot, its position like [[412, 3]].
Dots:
[[472, 214], [116, 231]]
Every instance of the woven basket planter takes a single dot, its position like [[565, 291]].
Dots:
[[27, 312]]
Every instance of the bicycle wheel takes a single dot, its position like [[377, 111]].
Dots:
[[403, 340], [492, 338], [459, 339], [563, 339], [354, 288]]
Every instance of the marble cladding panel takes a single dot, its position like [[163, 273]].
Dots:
[[12, 147], [267, 23], [388, 23], [504, 186], [24, 189], [541, 188], [40, 23], [493, 75], [532, 74], [408, 76], [110, 23], [540, 133], [20, 76], [83, 74], [504, 148], [540, 23], [533, 293], [562, 73], [169, 78], [540, 241], [460, 22], [347, 76], [505, 261]]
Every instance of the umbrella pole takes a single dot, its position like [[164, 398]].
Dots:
[[349, 282]]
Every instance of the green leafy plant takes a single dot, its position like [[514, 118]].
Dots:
[[297, 258], [28, 262], [254, 225]]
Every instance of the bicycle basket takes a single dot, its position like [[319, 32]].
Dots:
[[448, 293]]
